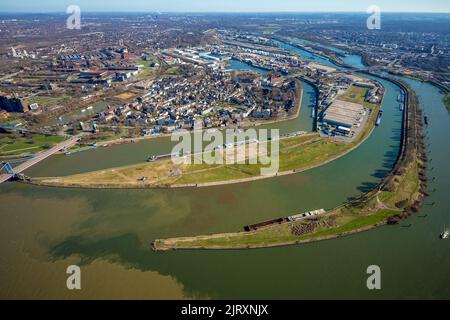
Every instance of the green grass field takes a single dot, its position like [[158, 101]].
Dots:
[[354, 94], [13, 119], [15, 144], [45, 100], [147, 70]]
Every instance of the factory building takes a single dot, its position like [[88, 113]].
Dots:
[[343, 116]]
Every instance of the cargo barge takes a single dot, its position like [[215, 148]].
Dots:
[[294, 218]]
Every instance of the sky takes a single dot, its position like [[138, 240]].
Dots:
[[225, 5]]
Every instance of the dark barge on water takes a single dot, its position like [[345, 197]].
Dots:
[[254, 227]]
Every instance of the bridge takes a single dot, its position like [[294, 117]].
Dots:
[[11, 172]]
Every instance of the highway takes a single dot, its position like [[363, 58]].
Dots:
[[40, 157]]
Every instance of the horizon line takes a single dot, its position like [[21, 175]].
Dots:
[[237, 12]]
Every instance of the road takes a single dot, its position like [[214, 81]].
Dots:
[[40, 157]]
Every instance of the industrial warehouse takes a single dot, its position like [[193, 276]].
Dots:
[[343, 118]]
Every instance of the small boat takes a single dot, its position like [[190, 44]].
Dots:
[[402, 107], [445, 234], [90, 108], [151, 159], [380, 115], [425, 119], [83, 110]]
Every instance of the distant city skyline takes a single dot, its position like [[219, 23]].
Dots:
[[225, 5]]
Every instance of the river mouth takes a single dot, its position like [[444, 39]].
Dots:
[[116, 226]]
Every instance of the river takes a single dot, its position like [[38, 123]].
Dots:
[[108, 232]]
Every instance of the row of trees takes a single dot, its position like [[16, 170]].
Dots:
[[413, 152]]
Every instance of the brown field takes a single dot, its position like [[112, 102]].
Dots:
[[125, 96]]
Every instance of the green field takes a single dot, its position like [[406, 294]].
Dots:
[[46, 100], [16, 144], [354, 94], [13, 119], [146, 71]]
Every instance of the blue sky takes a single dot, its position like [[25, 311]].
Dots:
[[225, 5]]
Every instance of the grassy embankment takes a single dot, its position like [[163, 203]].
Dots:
[[296, 154], [447, 102], [17, 144], [370, 211]]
